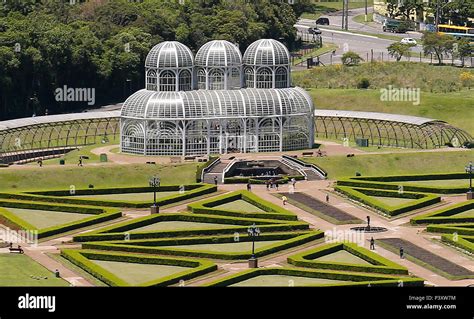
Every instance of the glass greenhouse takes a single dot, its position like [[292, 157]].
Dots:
[[198, 106]]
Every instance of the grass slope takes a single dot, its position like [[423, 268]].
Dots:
[[100, 176], [393, 164]]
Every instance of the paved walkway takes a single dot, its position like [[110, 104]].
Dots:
[[397, 228]]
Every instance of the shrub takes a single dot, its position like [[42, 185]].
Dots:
[[363, 83], [350, 58]]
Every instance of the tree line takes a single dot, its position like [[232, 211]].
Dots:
[[101, 44]]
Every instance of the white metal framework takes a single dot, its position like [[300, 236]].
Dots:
[[267, 65], [213, 122], [169, 66], [169, 118], [393, 130], [219, 66]]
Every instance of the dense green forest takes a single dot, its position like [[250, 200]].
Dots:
[[47, 44]]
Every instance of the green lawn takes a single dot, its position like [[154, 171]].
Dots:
[[227, 247], [241, 206], [393, 201], [126, 196], [178, 225], [285, 281], [467, 213], [393, 164], [361, 18], [46, 218], [454, 107], [439, 183], [136, 274], [342, 256], [73, 156], [21, 270], [325, 7], [48, 177]]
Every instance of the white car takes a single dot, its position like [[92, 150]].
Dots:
[[410, 41]]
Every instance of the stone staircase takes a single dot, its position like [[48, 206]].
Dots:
[[216, 171]]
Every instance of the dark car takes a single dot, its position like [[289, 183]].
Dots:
[[322, 21], [314, 30]]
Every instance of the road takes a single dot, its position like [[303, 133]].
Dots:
[[369, 47]]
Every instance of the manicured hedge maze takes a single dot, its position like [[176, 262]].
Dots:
[[460, 229], [233, 225], [463, 242], [271, 211], [167, 246], [184, 192], [85, 258], [394, 182], [347, 278], [11, 220], [377, 264], [366, 197], [447, 215]]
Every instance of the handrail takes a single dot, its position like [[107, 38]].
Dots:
[[209, 167], [322, 172]]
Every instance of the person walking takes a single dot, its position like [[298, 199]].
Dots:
[[268, 185], [372, 243], [293, 182], [284, 199], [327, 198], [402, 253], [215, 180], [276, 184], [249, 187], [80, 162]]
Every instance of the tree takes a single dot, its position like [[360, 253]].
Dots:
[[457, 12], [398, 50], [438, 44], [351, 58], [464, 50]]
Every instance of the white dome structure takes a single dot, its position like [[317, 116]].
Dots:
[[169, 66], [267, 64], [171, 117], [219, 66]]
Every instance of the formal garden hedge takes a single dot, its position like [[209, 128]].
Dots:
[[236, 225], [379, 264], [445, 216], [383, 182], [13, 221], [62, 196], [353, 279], [272, 211], [363, 195], [461, 229], [155, 246], [261, 181], [465, 243], [82, 258]]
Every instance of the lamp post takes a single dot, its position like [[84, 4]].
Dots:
[[253, 232], [469, 170], [155, 183]]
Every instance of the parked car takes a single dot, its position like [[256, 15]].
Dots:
[[409, 41], [322, 21], [314, 30]]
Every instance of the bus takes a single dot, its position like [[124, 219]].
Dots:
[[457, 31]]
